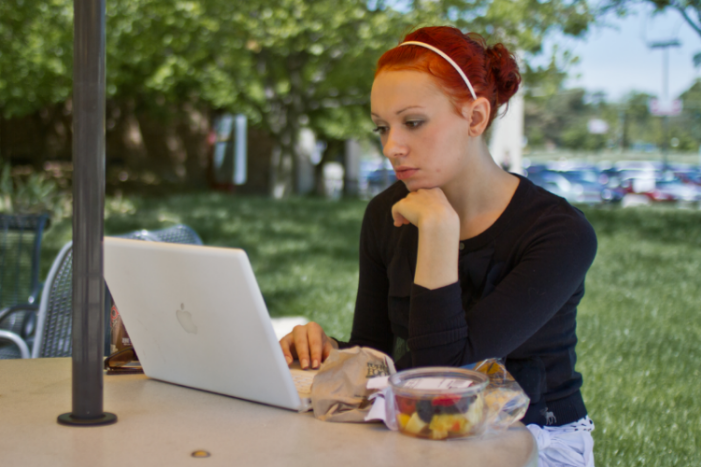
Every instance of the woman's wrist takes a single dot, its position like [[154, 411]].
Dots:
[[441, 223], [437, 258]]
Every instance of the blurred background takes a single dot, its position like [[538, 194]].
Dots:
[[249, 122], [271, 98]]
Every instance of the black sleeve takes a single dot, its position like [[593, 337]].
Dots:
[[371, 325], [550, 271]]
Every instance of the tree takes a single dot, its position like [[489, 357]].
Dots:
[[35, 59], [687, 126], [563, 119], [286, 64], [157, 51], [311, 63], [35, 56], [305, 64]]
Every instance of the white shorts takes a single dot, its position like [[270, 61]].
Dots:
[[569, 445]]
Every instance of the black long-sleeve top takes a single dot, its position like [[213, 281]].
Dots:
[[520, 282]]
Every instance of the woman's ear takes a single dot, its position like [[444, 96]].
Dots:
[[477, 113]]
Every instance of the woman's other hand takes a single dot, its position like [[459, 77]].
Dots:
[[308, 343], [439, 235]]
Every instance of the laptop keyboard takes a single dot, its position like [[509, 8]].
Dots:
[[303, 381]]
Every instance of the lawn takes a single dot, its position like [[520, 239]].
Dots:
[[639, 334]]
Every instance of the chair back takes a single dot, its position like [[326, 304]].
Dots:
[[140, 235], [177, 234], [20, 246], [53, 337]]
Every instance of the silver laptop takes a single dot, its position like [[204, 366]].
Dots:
[[197, 318]]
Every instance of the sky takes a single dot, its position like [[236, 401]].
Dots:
[[614, 57]]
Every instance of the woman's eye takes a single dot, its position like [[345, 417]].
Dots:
[[380, 130], [414, 123]]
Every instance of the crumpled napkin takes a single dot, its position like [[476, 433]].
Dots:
[[382, 402]]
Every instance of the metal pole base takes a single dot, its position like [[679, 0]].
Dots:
[[107, 418]]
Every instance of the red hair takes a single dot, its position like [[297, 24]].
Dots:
[[492, 71]]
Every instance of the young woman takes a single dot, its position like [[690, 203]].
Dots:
[[460, 260]]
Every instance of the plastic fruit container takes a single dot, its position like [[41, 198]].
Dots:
[[439, 402]]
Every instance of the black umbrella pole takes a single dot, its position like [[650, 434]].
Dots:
[[88, 213]]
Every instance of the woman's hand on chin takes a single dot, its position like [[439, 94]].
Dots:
[[439, 235], [425, 207]]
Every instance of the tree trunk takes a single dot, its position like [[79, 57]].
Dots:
[[351, 169], [41, 121], [333, 152], [161, 144], [193, 127], [281, 171], [3, 139], [284, 177]]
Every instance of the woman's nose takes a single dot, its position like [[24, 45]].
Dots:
[[393, 147]]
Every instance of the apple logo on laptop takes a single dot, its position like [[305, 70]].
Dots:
[[185, 319]]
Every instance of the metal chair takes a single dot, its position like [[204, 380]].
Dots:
[[53, 334], [177, 234], [20, 246]]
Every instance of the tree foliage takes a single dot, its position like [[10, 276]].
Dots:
[[287, 64], [561, 120], [36, 53], [688, 129]]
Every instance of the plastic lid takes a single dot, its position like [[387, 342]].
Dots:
[[435, 381]]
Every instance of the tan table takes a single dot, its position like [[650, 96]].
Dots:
[[161, 424]]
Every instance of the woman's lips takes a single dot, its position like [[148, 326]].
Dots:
[[404, 173]]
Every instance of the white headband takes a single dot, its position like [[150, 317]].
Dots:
[[448, 59]]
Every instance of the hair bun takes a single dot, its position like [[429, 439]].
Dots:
[[504, 70]]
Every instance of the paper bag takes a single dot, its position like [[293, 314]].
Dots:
[[339, 392]]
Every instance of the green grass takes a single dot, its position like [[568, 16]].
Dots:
[[304, 251], [639, 333], [640, 338]]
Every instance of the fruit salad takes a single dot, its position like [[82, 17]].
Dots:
[[440, 417], [439, 403]]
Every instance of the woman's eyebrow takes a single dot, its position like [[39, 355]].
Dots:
[[410, 107], [400, 111]]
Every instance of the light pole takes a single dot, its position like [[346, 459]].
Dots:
[[664, 100]]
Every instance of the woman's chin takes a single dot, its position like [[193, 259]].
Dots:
[[415, 185]]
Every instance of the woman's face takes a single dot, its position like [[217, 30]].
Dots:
[[422, 134]]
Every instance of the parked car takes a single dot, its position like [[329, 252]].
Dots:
[[535, 168], [648, 166], [689, 176], [637, 181], [573, 191], [380, 179], [676, 190], [609, 194], [661, 190]]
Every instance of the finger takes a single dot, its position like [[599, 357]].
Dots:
[[301, 345], [315, 336], [286, 351], [326, 351], [397, 217]]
